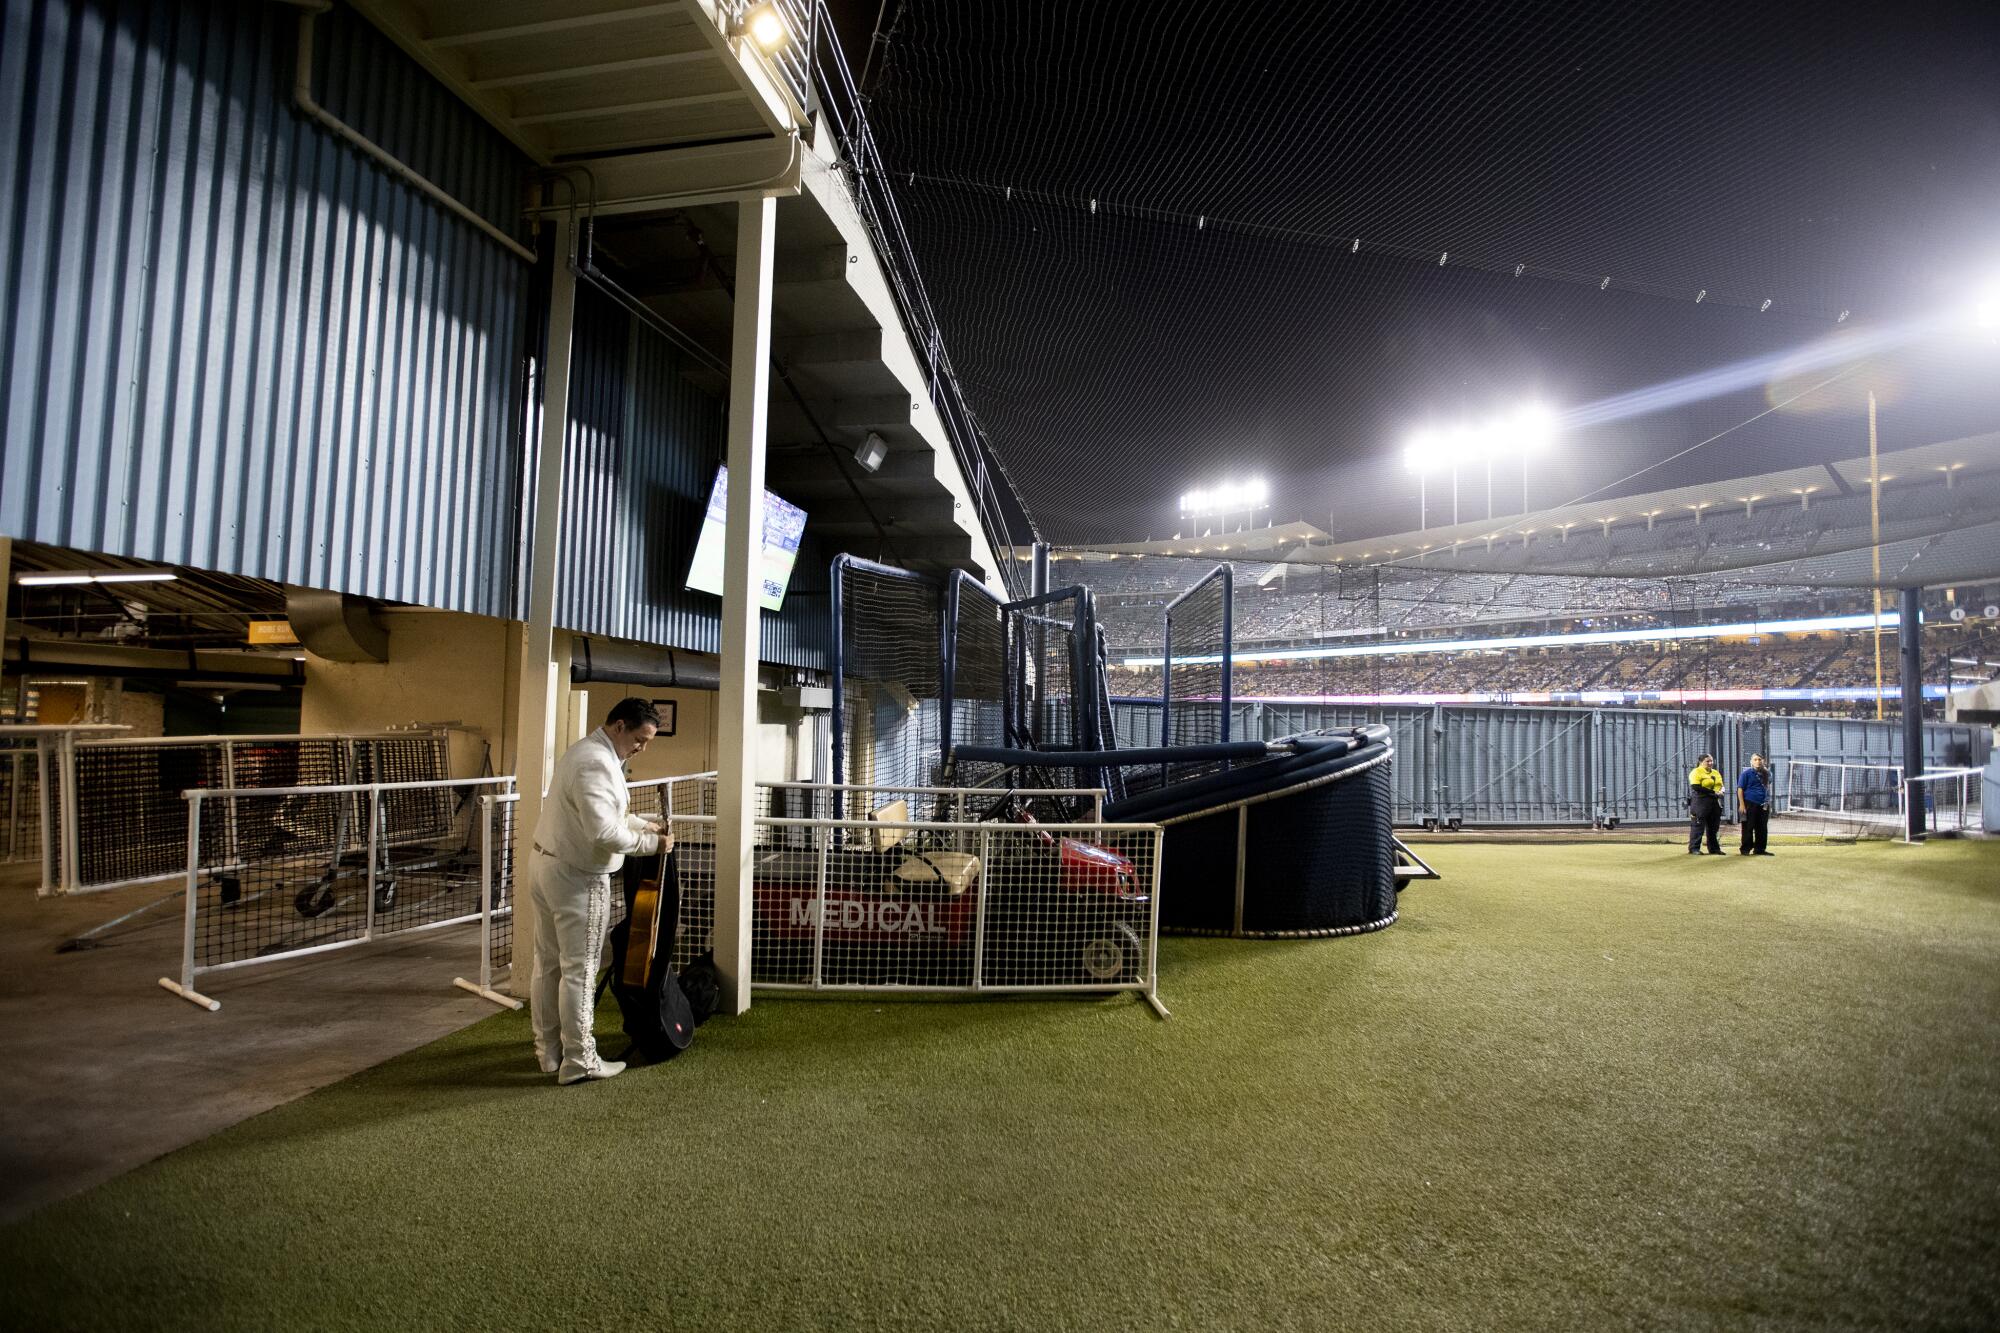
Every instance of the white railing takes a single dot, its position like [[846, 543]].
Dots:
[[40, 803], [281, 872], [496, 898], [879, 903], [1859, 794], [1949, 800], [109, 810]]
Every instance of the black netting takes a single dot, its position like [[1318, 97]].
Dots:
[[1319, 861], [20, 800], [131, 820], [978, 678], [889, 627], [1045, 655], [298, 887], [500, 926], [1115, 782], [1197, 671]]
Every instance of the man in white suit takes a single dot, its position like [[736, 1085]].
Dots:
[[586, 832]]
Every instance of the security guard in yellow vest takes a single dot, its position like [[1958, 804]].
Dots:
[[1704, 806]]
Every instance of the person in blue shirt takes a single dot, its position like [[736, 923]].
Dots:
[[1753, 804]]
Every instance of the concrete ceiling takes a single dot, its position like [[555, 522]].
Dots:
[[671, 121]]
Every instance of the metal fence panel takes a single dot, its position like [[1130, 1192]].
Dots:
[[311, 882], [925, 888], [1515, 766], [1496, 764]]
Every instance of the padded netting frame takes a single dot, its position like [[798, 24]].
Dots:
[[1046, 668], [1328, 841], [888, 674], [976, 677], [1196, 671], [1052, 681]]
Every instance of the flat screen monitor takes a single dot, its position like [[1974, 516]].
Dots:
[[784, 524]]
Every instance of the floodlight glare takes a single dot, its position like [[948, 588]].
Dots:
[[1533, 427], [1424, 452], [1986, 308], [766, 28], [1228, 497]]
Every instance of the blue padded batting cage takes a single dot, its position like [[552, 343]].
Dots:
[[941, 683]]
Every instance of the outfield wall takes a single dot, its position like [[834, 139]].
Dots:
[[1508, 765]]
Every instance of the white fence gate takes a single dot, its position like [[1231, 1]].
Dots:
[[280, 872]]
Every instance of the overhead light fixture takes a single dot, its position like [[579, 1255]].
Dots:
[[766, 27], [62, 578], [871, 453]]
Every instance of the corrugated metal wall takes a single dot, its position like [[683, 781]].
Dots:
[[226, 339], [1495, 764], [642, 452]]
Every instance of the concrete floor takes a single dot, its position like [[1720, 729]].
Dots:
[[102, 1071]]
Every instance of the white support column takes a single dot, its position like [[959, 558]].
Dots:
[[535, 715], [742, 579]]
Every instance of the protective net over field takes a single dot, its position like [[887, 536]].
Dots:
[[888, 629]]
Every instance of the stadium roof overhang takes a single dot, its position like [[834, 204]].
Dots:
[[663, 119]]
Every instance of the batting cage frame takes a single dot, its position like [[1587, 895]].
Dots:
[[977, 685], [1204, 615], [887, 693]]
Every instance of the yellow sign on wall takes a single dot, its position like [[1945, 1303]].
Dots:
[[272, 631]]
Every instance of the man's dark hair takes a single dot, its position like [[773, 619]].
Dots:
[[633, 712]]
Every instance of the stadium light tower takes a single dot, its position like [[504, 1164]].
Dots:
[[1423, 455], [1526, 432], [1226, 498]]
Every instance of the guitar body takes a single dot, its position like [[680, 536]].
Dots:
[[643, 942], [658, 1019]]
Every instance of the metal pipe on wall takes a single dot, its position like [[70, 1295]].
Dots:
[[303, 97]]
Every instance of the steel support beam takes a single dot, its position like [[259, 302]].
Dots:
[[1910, 641], [535, 705], [742, 577]]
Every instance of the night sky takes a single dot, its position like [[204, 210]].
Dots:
[[1211, 317]]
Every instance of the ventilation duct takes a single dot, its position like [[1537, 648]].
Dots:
[[609, 663], [336, 626]]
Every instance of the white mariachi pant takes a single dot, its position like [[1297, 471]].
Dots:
[[572, 909]]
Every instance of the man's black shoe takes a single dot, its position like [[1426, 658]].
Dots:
[[1763, 853]]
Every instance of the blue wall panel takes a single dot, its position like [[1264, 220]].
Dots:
[[641, 456], [229, 341]]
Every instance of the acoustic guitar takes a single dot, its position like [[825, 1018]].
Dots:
[[644, 940], [658, 1019]]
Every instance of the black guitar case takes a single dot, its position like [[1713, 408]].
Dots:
[[658, 1020]]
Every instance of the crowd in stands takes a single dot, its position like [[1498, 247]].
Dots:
[[1312, 605], [1777, 662]]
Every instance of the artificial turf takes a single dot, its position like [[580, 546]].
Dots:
[[1574, 1085]]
